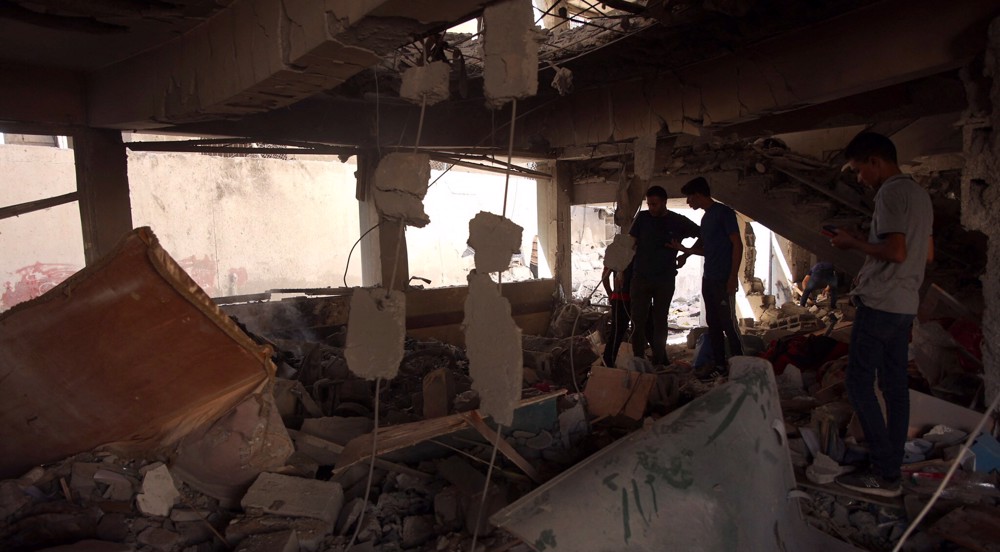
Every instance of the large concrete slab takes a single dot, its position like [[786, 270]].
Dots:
[[128, 351], [712, 476]]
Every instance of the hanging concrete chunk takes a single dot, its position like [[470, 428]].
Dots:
[[376, 327], [619, 253], [400, 186], [645, 156], [494, 239], [426, 83], [510, 49], [493, 344]]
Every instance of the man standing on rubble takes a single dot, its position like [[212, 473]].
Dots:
[[654, 269], [897, 248], [722, 246]]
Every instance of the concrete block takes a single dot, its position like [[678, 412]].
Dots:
[[283, 541], [404, 172], [426, 83], [493, 345], [310, 532], [376, 328], [417, 530], [120, 486], [293, 496], [495, 239], [82, 477], [448, 512], [158, 492]]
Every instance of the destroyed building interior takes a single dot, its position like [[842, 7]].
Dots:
[[376, 407]]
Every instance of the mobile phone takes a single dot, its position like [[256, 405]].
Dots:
[[829, 230]]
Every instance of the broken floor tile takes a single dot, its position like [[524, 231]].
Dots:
[[495, 240], [493, 345], [159, 494], [293, 496], [375, 332]]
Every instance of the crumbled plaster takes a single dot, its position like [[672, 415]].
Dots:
[[494, 239], [510, 52], [981, 201], [426, 83], [619, 252], [645, 155], [376, 328], [493, 344], [400, 186]]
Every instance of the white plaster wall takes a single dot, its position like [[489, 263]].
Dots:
[[39, 249], [435, 251], [245, 225]]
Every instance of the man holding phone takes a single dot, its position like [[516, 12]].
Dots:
[[897, 248]]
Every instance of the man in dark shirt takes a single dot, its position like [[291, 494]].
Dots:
[[722, 247], [655, 266]]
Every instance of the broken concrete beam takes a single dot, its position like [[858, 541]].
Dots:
[[375, 333], [159, 493], [426, 83], [493, 345], [495, 240], [510, 52], [684, 480], [127, 351], [284, 495]]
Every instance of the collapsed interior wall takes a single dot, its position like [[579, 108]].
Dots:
[[981, 193]]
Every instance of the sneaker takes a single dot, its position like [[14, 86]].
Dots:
[[869, 483], [710, 372]]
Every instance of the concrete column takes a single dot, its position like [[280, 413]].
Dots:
[[102, 187], [379, 248], [563, 270]]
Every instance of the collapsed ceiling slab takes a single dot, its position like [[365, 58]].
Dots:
[[129, 351]]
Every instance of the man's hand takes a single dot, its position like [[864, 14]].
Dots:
[[731, 286], [843, 239], [676, 244]]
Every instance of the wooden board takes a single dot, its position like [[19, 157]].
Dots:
[[612, 391]]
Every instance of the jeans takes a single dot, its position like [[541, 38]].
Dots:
[[879, 346], [720, 314], [619, 327], [660, 292]]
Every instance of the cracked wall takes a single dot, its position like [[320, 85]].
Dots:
[[981, 196]]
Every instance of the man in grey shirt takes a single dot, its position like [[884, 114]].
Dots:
[[897, 249]]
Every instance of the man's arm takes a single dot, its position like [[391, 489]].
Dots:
[[606, 280], [734, 271], [891, 249]]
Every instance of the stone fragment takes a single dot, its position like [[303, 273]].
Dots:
[[417, 530], [619, 253], [283, 541], [158, 492], [401, 181], [82, 477], [376, 328], [283, 495], [159, 539], [310, 532], [120, 486], [493, 345], [494, 239], [510, 51], [349, 515], [426, 83], [448, 513]]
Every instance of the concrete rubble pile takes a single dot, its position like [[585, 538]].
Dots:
[[283, 465]]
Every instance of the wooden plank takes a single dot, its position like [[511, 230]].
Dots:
[[476, 421], [336, 449], [392, 438], [612, 391]]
